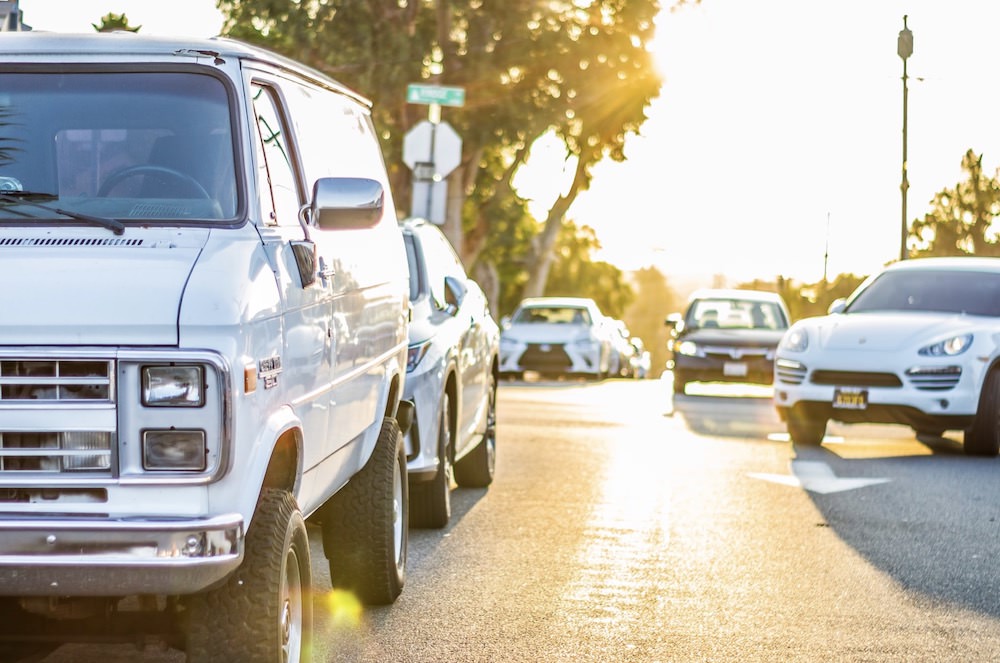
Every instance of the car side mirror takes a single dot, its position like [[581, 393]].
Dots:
[[454, 294], [837, 306]]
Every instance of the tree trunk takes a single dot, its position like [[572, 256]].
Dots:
[[541, 260]]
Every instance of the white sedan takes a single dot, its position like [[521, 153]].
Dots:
[[556, 336], [917, 344]]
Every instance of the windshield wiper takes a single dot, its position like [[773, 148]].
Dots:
[[30, 198]]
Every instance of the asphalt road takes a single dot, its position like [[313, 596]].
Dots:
[[623, 526]]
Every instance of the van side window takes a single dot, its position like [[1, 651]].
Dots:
[[275, 172], [343, 142]]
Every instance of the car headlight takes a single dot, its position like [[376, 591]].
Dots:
[[688, 348], [950, 347], [415, 353], [795, 340], [173, 386], [586, 343]]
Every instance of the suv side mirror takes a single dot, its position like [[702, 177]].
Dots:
[[837, 305]]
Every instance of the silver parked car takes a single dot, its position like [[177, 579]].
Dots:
[[451, 376]]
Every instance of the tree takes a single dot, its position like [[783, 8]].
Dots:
[[112, 22], [645, 317], [580, 70], [576, 274], [961, 219], [805, 300]]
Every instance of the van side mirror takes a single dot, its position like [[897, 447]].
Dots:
[[346, 203]]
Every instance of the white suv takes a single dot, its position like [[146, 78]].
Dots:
[[914, 345], [203, 341]]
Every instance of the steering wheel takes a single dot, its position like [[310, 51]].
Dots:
[[160, 172]]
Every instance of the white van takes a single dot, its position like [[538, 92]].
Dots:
[[203, 337]]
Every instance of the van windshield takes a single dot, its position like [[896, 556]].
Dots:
[[143, 146]]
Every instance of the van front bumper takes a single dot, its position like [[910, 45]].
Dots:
[[73, 557]]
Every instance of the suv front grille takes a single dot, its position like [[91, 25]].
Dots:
[[542, 357], [855, 379]]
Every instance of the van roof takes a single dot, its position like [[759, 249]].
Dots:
[[40, 46]]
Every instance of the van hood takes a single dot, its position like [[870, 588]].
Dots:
[[87, 288]]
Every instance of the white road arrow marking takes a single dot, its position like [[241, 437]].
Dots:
[[816, 477]]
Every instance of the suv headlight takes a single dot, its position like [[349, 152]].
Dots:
[[173, 386], [950, 347], [794, 340]]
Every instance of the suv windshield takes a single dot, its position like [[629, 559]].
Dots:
[[557, 315], [973, 293], [120, 145]]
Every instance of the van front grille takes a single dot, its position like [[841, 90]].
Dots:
[[33, 380]]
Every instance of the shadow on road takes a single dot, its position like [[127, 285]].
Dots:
[[934, 527], [728, 416]]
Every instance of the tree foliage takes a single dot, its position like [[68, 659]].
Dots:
[[111, 22], [806, 300], [961, 219], [580, 70], [575, 273], [645, 317]]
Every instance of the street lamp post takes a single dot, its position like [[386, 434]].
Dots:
[[904, 47]]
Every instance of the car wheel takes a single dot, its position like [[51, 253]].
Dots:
[[476, 468], [983, 437], [805, 429], [430, 501], [267, 598], [365, 531]]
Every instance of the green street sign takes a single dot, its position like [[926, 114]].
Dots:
[[435, 94]]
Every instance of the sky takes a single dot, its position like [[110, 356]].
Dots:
[[775, 146]]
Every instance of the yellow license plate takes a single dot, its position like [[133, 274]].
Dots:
[[850, 399]]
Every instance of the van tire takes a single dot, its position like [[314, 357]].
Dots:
[[430, 501], [476, 468], [365, 526], [264, 611]]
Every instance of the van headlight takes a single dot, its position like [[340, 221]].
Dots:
[[173, 449], [173, 386]]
